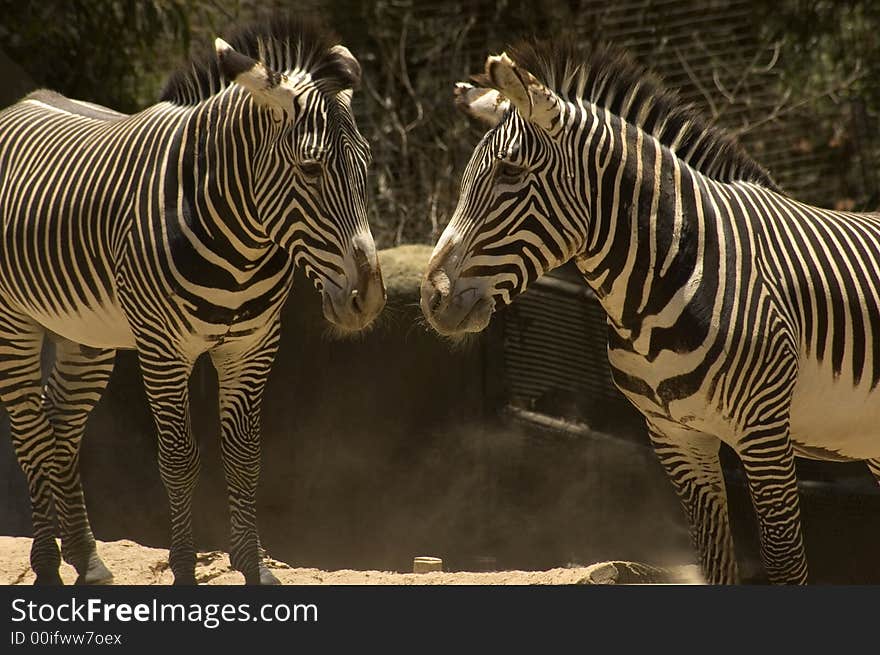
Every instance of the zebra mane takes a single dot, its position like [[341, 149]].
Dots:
[[282, 44], [608, 77]]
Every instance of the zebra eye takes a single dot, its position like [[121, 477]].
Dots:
[[508, 172], [312, 169]]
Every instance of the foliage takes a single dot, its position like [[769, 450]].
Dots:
[[831, 68], [102, 51]]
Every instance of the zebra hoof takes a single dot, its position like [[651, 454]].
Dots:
[[267, 577], [95, 574], [51, 579], [188, 580]]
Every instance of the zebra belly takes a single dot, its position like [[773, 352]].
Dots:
[[101, 327], [830, 419], [829, 414]]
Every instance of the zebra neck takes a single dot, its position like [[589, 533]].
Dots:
[[217, 210], [651, 249]]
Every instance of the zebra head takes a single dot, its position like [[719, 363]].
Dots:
[[309, 177], [521, 210]]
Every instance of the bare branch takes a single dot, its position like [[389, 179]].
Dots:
[[697, 83], [747, 73], [404, 75], [781, 110]]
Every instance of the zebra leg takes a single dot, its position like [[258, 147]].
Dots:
[[21, 342], [768, 460], [692, 464], [74, 387], [166, 377], [242, 370], [874, 467]]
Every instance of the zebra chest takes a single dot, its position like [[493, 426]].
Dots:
[[670, 387], [218, 317], [209, 310]]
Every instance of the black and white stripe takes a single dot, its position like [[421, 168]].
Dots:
[[174, 231], [735, 314]]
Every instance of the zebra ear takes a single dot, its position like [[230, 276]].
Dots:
[[264, 84], [485, 106], [534, 101], [348, 68]]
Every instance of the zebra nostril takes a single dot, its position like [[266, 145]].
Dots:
[[435, 289], [435, 300], [357, 302]]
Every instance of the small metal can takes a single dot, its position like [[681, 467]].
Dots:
[[427, 564]]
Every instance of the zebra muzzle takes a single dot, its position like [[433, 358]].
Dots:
[[357, 301], [453, 310]]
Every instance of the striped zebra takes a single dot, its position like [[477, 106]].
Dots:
[[735, 313], [174, 232]]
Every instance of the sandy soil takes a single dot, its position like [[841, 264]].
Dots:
[[134, 564]]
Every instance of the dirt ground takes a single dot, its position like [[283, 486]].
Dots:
[[134, 564]]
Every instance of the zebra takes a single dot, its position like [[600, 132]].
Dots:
[[735, 314], [175, 232]]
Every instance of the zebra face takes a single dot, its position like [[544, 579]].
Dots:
[[309, 178], [324, 223], [521, 210]]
